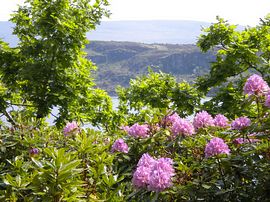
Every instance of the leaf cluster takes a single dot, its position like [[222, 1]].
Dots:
[[48, 68]]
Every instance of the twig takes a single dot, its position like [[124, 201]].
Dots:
[[9, 118]]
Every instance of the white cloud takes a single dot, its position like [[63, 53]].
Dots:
[[7, 7], [236, 11]]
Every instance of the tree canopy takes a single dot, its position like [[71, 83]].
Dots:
[[48, 67], [239, 53]]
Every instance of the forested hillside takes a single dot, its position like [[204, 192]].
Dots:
[[118, 62]]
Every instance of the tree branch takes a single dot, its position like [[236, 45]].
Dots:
[[23, 105], [9, 118]]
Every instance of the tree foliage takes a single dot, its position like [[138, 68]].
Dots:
[[48, 67], [240, 52], [158, 91]]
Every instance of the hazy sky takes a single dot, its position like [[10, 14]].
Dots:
[[245, 12]]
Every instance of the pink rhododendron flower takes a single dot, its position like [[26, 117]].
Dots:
[[142, 174], [241, 140], [139, 131], [202, 120], [182, 127], [255, 85], [221, 121], [161, 175], [141, 177], [244, 140], [240, 123], [71, 128], [125, 128], [267, 101], [146, 161], [169, 120], [154, 174], [215, 147], [119, 146]]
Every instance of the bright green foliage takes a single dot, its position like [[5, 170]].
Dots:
[[7, 92], [239, 52], [72, 168], [58, 176], [230, 102], [49, 68], [158, 92]]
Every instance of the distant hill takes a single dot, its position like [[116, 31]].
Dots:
[[118, 62], [157, 31], [154, 44]]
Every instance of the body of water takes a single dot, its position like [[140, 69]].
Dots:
[[115, 102]]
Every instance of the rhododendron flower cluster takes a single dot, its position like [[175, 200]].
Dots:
[[119, 146], [71, 128], [169, 120], [244, 140], [202, 120], [146, 161], [182, 127], [250, 139], [221, 121], [138, 131], [240, 123], [141, 176], [161, 175], [255, 85], [153, 174], [216, 146]]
